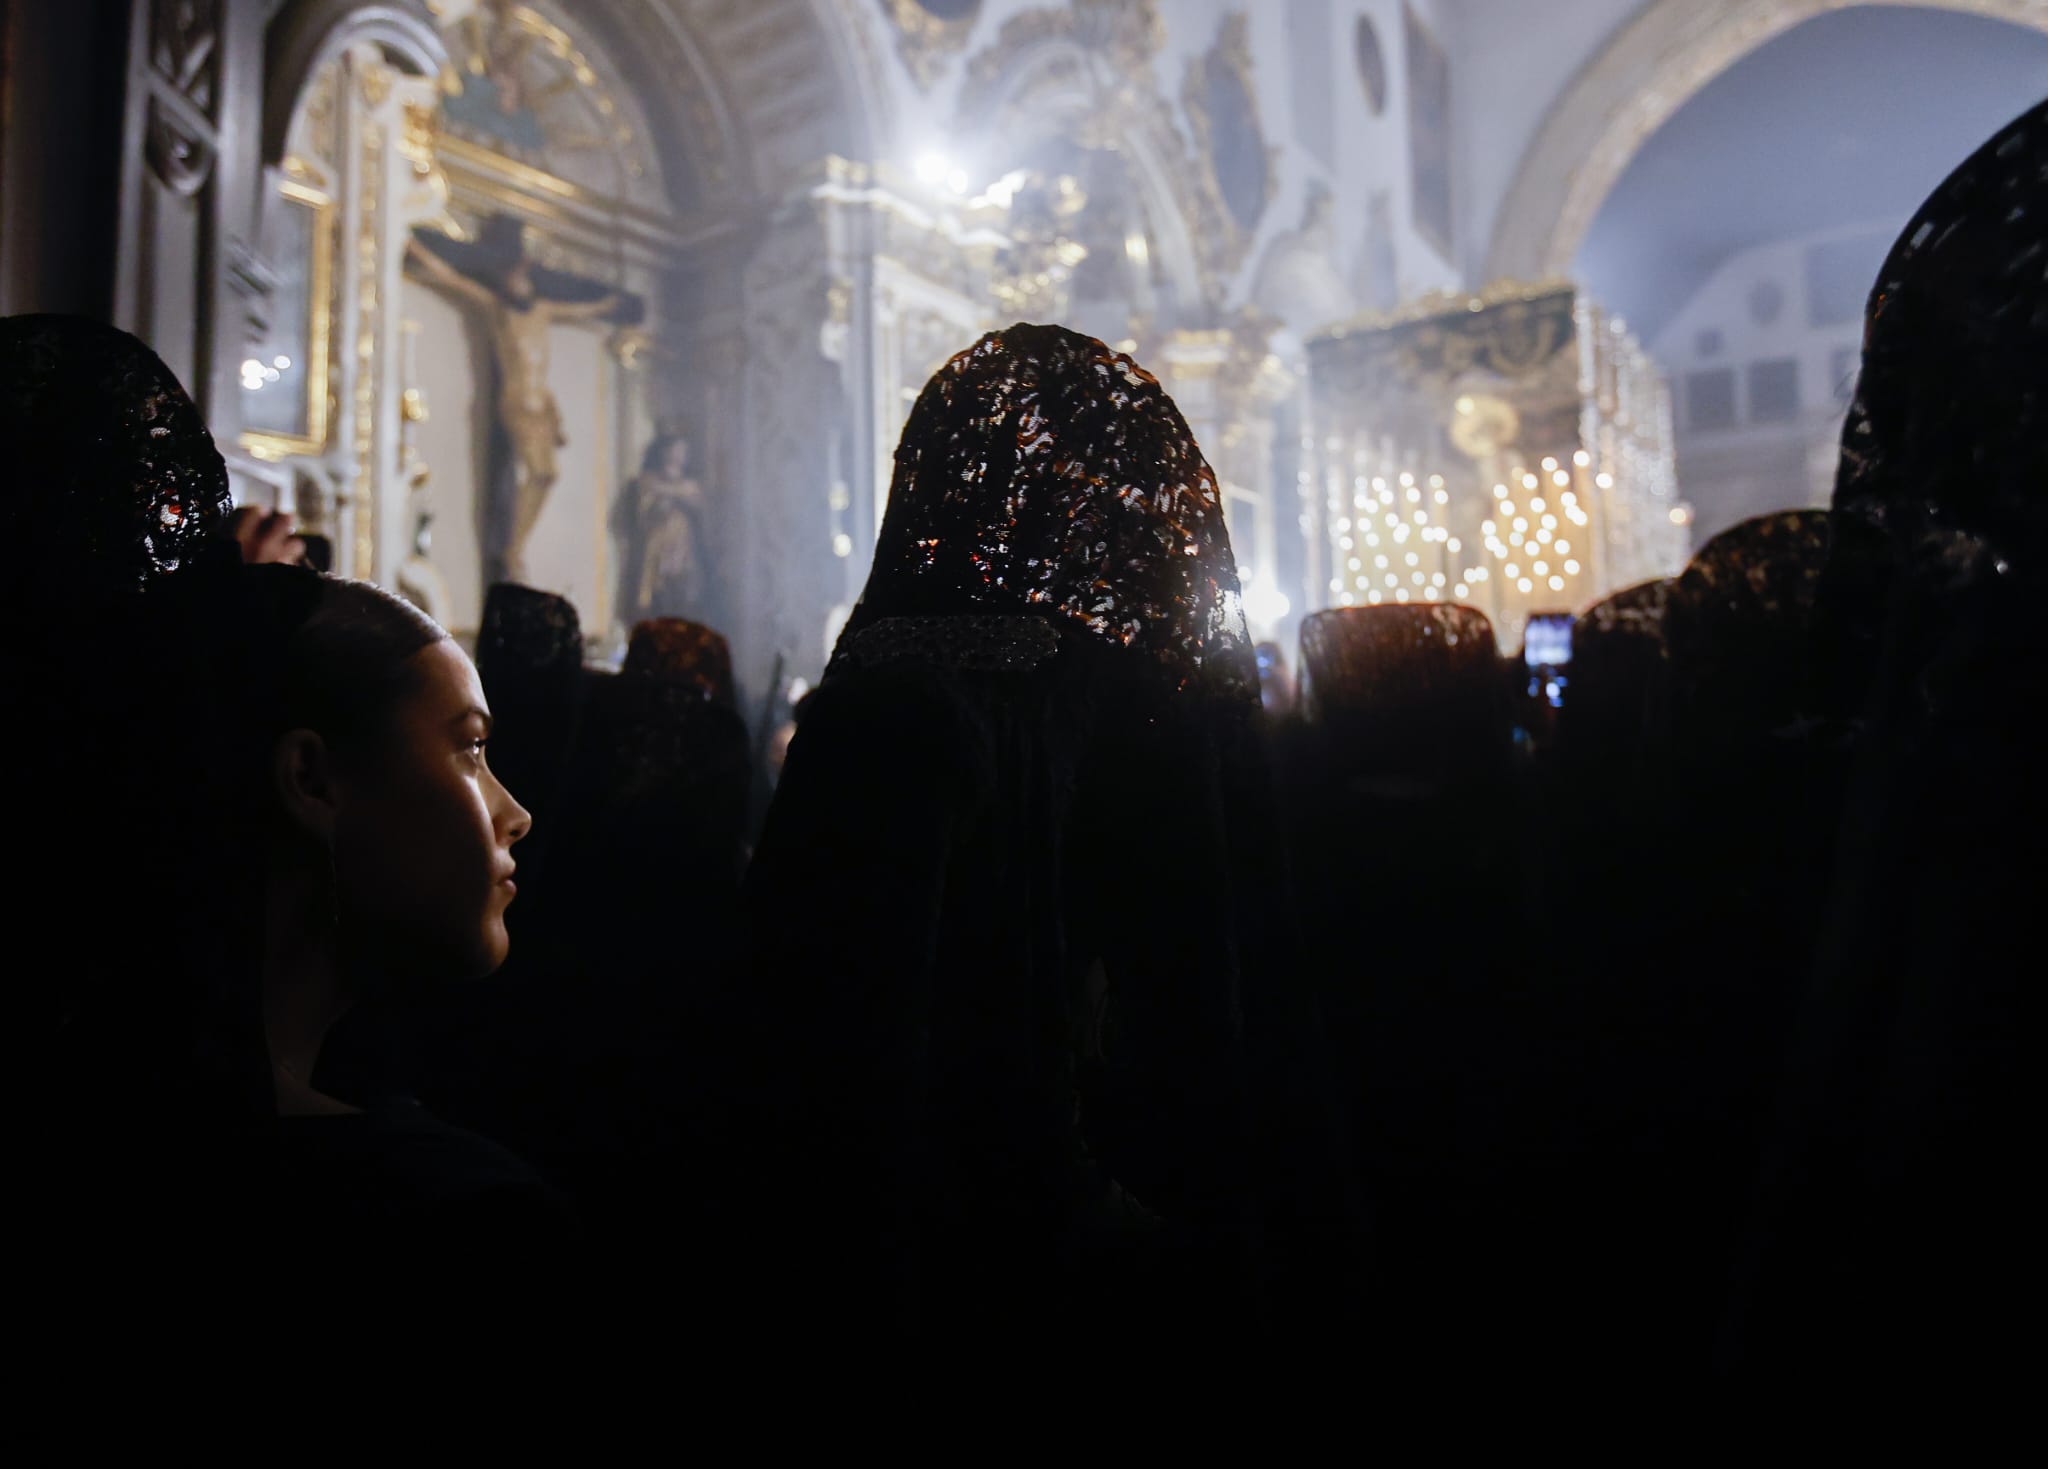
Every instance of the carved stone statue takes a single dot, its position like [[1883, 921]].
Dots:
[[658, 520], [521, 303], [1298, 280]]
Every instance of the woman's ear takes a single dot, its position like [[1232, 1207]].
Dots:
[[302, 772]]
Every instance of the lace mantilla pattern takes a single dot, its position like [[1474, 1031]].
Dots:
[[113, 475], [686, 652], [1042, 472], [1378, 660], [1763, 574], [970, 644], [528, 631], [1947, 441]]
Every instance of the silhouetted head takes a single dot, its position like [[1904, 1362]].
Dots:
[[679, 651], [1043, 474], [1945, 451], [1738, 628], [668, 456], [112, 478]]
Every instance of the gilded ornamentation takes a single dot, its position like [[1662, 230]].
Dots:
[[1086, 71], [1032, 274], [524, 88], [367, 256], [928, 40], [1511, 442], [418, 126], [376, 84], [1127, 34], [297, 192], [1440, 303], [632, 348]]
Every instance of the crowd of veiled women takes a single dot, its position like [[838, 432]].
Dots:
[[1063, 993]]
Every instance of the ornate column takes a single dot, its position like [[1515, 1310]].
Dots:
[[1230, 385], [384, 121], [793, 410], [856, 293]]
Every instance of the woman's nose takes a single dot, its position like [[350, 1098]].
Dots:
[[515, 821]]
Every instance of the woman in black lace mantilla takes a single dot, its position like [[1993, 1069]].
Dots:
[[1040, 1050]]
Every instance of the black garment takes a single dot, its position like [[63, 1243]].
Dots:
[[396, 1184], [112, 477], [993, 1134], [112, 486], [529, 657], [1896, 1235]]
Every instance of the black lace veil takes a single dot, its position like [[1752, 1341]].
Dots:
[[1043, 473], [112, 475], [1896, 1208], [1015, 903]]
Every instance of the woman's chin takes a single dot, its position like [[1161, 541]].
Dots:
[[492, 948]]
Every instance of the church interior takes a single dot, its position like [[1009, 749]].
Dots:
[[1529, 352]]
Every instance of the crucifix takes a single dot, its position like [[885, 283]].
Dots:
[[521, 301]]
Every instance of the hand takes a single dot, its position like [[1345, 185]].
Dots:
[[266, 537]]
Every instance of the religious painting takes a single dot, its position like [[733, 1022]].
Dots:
[[1429, 133], [284, 379]]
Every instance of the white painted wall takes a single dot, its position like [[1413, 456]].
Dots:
[[1754, 468], [1512, 60], [448, 443], [1372, 152]]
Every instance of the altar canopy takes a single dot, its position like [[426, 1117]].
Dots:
[[1509, 450]]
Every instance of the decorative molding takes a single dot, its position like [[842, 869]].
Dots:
[[1439, 303], [272, 447], [1219, 222], [180, 136], [1656, 64], [1088, 72], [927, 42], [511, 186], [1127, 34], [184, 37]]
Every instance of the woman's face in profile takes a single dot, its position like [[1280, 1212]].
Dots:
[[424, 832]]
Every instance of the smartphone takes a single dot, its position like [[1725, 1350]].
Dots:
[[1548, 641], [1547, 653]]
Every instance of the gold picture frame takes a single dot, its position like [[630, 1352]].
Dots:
[[270, 443]]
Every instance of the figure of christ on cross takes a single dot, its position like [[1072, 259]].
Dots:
[[520, 302]]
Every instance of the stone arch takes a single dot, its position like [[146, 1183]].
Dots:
[[742, 96], [1656, 64], [1070, 71], [308, 33]]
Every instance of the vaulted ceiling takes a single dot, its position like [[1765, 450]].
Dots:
[[742, 94], [1849, 119]]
